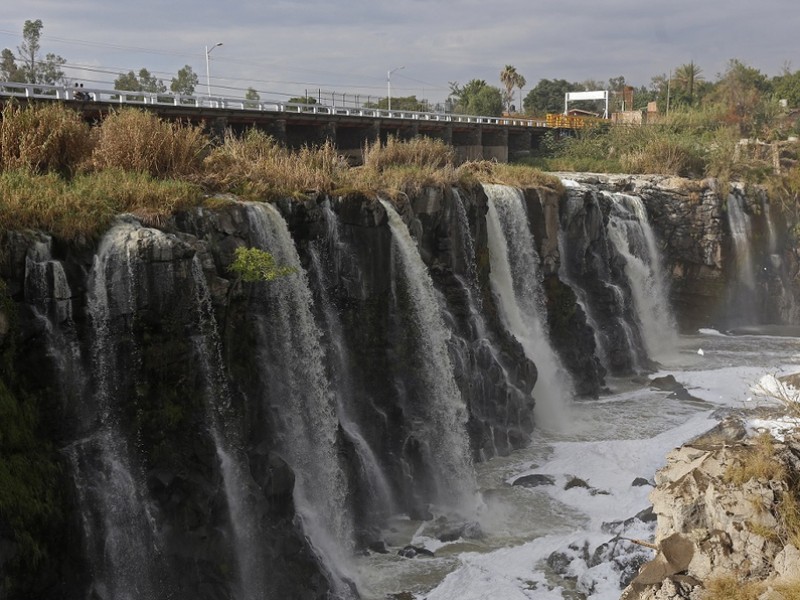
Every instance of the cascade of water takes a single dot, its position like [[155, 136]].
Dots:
[[630, 232], [298, 398], [239, 486], [377, 482], [48, 292], [442, 416], [119, 521], [600, 340], [516, 280], [467, 246], [741, 232]]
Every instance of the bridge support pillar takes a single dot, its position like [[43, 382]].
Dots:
[[495, 144], [218, 127], [468, 144], [520, 144], [277, 129]]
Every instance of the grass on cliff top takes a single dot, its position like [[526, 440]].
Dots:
[[61, 175], [85, 205]]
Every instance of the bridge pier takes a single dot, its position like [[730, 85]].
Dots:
[[468, 144], [495, 144], [520, 144]]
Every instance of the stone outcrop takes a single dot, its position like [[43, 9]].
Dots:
[[691, 220], [721, 503]]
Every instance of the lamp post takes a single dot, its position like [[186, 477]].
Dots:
[[208, 68], [389, 84]]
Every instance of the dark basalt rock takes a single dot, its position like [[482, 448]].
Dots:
[[534, 480]]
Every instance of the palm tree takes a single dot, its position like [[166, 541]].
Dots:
[[687, 76], [520, 84], [508, 77]]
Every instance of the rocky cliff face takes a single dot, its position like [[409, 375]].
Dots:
[[169, 428], [730, 255]]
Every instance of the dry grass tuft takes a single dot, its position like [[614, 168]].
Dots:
[[758, 462], [136, 140], [421, 152], [256, 166], [43, 138], [731, 587], [663, 157], [521, 176]]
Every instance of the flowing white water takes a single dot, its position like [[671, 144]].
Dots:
[[443, 416], [240, 489], [380, 491], [299, 399], [516, 281], [630, 232], [118, 519], [742, 235], [466, 249]]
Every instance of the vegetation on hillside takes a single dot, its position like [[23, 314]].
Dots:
[[61, 175]]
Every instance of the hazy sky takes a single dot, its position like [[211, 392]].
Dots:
[[283, 47]]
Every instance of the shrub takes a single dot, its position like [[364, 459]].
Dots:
[[253, 264], [135, 140], [43, 138]]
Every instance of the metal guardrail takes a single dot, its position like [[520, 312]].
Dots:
[[72, 94]]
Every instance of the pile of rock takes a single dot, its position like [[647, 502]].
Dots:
[[711, 526]]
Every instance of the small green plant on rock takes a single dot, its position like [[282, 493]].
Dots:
[[253, 264]]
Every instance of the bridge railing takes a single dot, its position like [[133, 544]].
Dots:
[[122, 97]]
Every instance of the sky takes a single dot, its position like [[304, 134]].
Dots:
[[283, 48]]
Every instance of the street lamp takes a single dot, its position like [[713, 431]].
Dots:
[[208, 69], [389, 84]]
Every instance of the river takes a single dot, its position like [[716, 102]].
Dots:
[[599, 450]]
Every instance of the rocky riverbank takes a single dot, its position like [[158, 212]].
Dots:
[[728, 523]]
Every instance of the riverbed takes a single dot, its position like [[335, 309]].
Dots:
[[568, 538]]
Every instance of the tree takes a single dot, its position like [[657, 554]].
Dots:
[[33, 68], [742, 92], [185, 82], [548, 96], [399, 103], [9, 71], [252, 95], [520, 84], [508, 77], [144, 82], [302, 100], [787, 87], [686, 78], [477, 97]]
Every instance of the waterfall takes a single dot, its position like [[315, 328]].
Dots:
[[441, 417], [297, 397], [373, 473], [516, 281], [239, 487], [48, 292], [630, 232], [466, 247], [118, 519], [741, 233]]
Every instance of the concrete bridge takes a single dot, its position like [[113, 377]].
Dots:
[[472, 137]]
